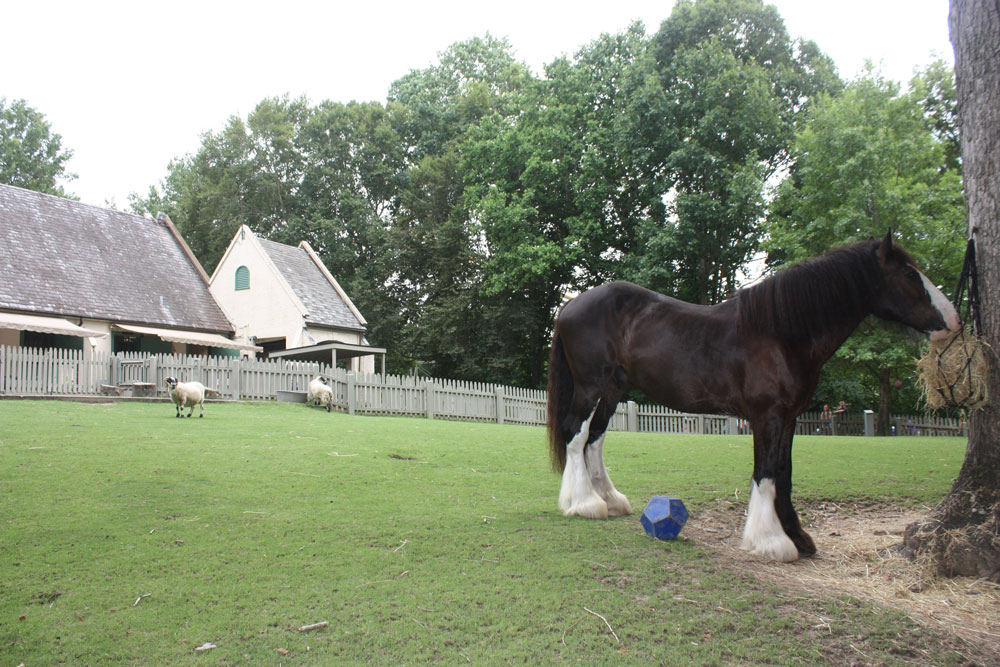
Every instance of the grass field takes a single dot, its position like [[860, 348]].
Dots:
[[132, 537]]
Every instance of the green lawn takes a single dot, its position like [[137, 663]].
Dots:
[[416, 540]]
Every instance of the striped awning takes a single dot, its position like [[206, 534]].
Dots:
[[53, 325], [189, 337]]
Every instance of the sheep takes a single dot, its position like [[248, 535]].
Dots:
[[319, 393], [186, 395]]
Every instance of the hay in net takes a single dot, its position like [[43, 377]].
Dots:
[[952, 372]]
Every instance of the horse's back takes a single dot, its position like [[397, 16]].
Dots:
[[670, 349], [628, 307], [609, 300]]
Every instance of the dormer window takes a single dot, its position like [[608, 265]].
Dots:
[[242, 278]]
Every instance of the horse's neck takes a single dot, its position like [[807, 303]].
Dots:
[[824, 345]]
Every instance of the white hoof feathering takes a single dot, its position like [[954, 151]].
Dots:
[[577, 496], [763, 534], [618, 504]]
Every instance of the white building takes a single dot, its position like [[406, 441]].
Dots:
[[283, 299]]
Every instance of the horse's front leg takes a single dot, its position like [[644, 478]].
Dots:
[[772, 529], [618, 504]]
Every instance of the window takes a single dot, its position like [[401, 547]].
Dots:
[[242, 278]]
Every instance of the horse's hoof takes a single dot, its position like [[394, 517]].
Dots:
[[618, 505], [804, 543], [594, 508], [773, 547]]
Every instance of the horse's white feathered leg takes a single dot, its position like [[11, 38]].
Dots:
[[618, 504], [577, 495], [763, 534]]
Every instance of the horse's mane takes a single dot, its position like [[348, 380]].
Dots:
[[809, 298]]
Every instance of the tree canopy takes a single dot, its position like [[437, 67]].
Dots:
[[31, 155]]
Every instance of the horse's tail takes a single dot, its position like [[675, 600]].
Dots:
[[560, 395]]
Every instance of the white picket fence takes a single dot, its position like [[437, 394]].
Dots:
[[52, 372]]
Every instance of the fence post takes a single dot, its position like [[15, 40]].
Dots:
[[235, 373], [500, 406], [151, 375], [701, 424], [632, 417], [869, 423], [429, 399], [734, 426], [352, 388]]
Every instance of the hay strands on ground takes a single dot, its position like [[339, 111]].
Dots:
[[953, 372]]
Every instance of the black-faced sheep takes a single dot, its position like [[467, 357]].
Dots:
[[319, 393], [186, 395]]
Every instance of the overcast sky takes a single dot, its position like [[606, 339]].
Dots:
[[131, 85]]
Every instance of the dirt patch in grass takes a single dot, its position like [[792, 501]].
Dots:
[[858, 556]]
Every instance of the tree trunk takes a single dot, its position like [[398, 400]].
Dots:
[[963, 532], [884, 401]]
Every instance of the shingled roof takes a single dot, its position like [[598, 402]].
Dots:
[[323, 301], [62, 257]]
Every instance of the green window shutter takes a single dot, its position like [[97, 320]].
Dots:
[[242, 278]]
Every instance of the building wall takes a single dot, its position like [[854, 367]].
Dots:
[[11, 337], [265, 310], [95, 346]]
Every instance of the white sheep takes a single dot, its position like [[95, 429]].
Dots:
[[186, 395], [319, 393]]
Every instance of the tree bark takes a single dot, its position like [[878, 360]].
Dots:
[[962, 533], [884, 402]]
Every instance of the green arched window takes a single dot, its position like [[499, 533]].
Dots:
[[242, 278]]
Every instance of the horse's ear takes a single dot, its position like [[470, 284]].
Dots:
[[885, 247]]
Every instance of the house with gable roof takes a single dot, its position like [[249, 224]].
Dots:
[[82, 277], [283, 299]]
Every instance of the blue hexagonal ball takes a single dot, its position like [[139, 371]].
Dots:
[[664, 517]]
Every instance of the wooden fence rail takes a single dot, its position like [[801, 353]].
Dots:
[[34, 372]]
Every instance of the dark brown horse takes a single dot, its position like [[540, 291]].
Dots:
[[756, 356]]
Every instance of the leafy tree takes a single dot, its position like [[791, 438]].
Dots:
[[436, 240], [935, 88], [733, 85], [353, 165], [471, 80], [558, 191], [869, 161], [31, 155]]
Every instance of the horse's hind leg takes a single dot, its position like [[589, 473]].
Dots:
[[577, 495]]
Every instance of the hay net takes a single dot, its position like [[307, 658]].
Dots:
[[953, 372]]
